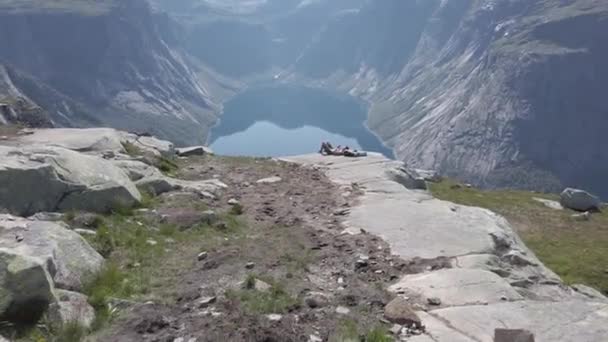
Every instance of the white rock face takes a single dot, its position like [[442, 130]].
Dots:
[[81, 140], [96, 140], [491, 265], [47, 178]]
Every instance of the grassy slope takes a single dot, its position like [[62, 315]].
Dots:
[[577, 251]]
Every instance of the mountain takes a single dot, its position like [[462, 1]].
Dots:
[[116, 63], [500, 93]]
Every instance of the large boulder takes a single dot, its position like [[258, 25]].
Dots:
[[579, 200], [25, 287], [47, 178], [406, 177], [69, 259], [80, 140], [35, 258], [400, 312], [97, 140]]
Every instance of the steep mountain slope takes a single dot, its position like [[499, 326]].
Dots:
[[114, 61], [502, 93], [497, 92]]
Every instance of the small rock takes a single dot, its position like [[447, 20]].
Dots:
[[3, 137], [152, 242], [342, 310], [206, 301], [316, 300], [261, 286], [274, 317], [586, 216], [314, 338], [202, 256], [362, 261], [233, 201], [84, 219], [193, 151], [399, 311], [209, 217], [19, 238], [341, 280], [517, 258], [221, 226], [269, 180], [379, 271], [342, 212], [396, 329], [434, 301], [108, 155], [85, 232], [179, 339], [250, 265]]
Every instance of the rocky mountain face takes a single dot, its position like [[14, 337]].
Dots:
[[495, 92], [501, 93], [101, 63]]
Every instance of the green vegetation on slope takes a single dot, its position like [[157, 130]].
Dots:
[[576, 250]]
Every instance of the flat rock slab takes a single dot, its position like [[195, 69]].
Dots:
[[549, 203], [95, 140], [458, 287], [569, 321], [81, 140], [438, 331], [415, 224]]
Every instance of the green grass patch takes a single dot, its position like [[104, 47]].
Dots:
[[577, 251], [276, 300], [131, 149], [350, 331], [167, 166], [237, 209], [143, 259]]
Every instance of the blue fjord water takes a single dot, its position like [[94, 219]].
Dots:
[[280, 121]]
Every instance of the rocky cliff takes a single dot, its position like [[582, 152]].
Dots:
[[111, 63], [497, 92], [502, 93]]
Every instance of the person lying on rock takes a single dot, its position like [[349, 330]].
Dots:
[[327, 149]]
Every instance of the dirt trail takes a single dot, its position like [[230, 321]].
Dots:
[[324, 283]]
